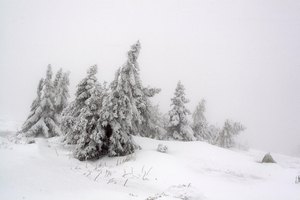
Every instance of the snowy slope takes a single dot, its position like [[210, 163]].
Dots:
[[190, 170]]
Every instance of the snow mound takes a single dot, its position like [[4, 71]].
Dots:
[[162, 148]]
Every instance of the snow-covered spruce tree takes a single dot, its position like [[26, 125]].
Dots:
[[117, 117], [43, 118], [149, 125], [61, 91], [143, 117], [128, 80], [230, 130], [200, 124], [121, 112], [34, 108], [179, 128], [80, 120], [213, 131], [93, 141], [70, 125], [57, 78], [68, 120], [156, 128]]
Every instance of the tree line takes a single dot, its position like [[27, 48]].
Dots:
[[102, 118]]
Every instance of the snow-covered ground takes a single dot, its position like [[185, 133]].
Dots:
[[189, 170]]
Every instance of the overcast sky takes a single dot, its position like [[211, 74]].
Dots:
[[242, 56]]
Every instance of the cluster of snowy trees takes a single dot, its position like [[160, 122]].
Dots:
[[179, 127], [102, 119], [44, 117]]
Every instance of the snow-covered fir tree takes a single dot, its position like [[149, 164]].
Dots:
[[139, 95], [80, 120], [61, 87], [43, 118], [92, 142], [70, 126], [34, 107], [165, 118], [128, 81], [57, 78], [179, 127], [213, 131], [121, 114], [117, 117], [156, 128], [68, 120], [200, 124], [148, 125], [202, 130], [226, 136]]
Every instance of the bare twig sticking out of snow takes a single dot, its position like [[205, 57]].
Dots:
[[125, 182], [146, 174], [100, 171], [143, 175], [89, 173], [125, 174], [143, 168], [107, 173], [56, 152], [112, 180], [97, 175]]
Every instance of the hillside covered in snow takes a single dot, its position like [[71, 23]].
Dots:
[[189, 170]]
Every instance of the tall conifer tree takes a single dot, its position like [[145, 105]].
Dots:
[[179, 127], [43, 118]]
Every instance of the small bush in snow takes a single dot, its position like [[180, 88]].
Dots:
[[162, 148]]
